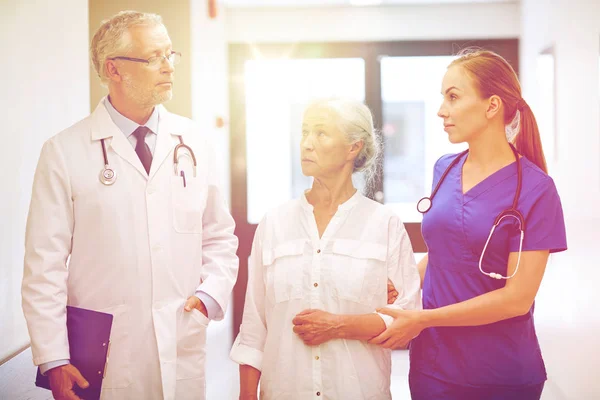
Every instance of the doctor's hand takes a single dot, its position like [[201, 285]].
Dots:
[[194, 302], [315, 327], [392, 293], [62, 380], [406, 326]]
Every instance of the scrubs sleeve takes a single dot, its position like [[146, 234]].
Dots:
[[544, 220], [249, 345]]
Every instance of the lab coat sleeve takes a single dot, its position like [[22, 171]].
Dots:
[[249, 345], [402, 270], [212, 307], [48, 238], [219, 244], [51, 365]]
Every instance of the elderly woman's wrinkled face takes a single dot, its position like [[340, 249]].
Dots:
[[324, 149]]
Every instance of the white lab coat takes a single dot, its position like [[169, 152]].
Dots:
[[138, 249]]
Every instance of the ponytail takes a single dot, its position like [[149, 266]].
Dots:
[[528, 141], [493, 75]]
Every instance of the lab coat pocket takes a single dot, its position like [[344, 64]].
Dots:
[[118, 367], [284, 270], [357, 269], [189, 202], [191, 343]]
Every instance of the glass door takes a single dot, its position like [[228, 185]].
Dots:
[[270, 84], [277, 92], [413, 133]]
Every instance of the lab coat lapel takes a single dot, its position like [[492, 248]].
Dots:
[[169, 128], [103, 127]]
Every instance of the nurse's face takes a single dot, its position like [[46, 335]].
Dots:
[[145, 85], [325, 151], [463, 110]]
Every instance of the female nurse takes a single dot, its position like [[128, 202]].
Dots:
[[475, 337]]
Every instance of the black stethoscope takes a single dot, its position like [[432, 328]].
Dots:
[[425, 204], [108, 176]]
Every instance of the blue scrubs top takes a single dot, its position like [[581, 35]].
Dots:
[[455, 229]]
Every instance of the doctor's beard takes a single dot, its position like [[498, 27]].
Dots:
[[146, 96]]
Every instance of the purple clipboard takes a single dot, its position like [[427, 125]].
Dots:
[[89, 343]]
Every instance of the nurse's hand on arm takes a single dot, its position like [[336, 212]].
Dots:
[[513, 300], [315, 327], [392, 292], [63, 379]]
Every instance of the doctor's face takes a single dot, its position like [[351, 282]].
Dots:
[[146, 85], [324, 149], [463, 110]]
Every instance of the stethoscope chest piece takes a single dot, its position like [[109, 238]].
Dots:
[[108, 176]]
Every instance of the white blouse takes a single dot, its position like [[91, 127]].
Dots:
[[343, 272]]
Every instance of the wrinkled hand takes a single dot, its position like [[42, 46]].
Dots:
[[406, 326], [392, 293], [315, 327], [62, 379], [194, 302]]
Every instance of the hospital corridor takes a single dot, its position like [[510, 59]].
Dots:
[[300, 199]]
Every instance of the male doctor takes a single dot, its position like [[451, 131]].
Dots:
[[150, 245]]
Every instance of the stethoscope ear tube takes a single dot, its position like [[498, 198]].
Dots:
[[424, 205], [108, 176]]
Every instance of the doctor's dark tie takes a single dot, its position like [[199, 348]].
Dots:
[[141, 148]]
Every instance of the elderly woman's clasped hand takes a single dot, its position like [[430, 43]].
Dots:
[[316, 327]]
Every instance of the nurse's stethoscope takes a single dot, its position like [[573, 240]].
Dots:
[[108, 176], [425, 203]]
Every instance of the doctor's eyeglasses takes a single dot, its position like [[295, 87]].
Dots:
[[153, 62]]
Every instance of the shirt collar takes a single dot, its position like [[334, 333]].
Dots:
[[345, 206], [128, 126]]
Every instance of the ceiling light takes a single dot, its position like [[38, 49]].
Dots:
[[365, 2]]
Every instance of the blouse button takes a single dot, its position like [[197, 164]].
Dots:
[[317, 358], [315, 284], [318, 393], [318, 251]]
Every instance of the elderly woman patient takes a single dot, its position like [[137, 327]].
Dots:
[[319, 269]]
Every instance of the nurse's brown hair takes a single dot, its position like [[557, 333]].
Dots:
[[493, 75]]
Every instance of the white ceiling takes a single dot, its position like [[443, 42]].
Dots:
[[329, 3]]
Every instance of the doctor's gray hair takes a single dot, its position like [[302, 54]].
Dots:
[[355, 120], [112, 38]]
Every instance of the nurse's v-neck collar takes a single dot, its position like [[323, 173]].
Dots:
[[489, 182], [345, 206]]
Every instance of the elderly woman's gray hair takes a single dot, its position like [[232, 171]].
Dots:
[[112, 38], [355, 120]]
